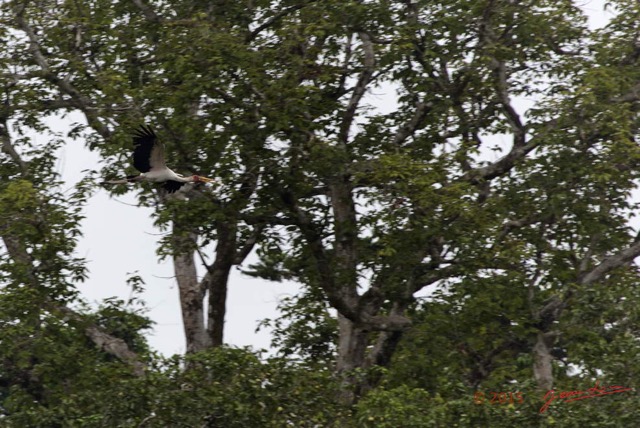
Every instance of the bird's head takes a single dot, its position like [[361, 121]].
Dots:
[[200, 179]]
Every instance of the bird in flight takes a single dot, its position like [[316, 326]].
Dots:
[[148, 158]]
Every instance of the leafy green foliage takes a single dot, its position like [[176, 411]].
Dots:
[[449, 189], [305, 329], [229, 387]]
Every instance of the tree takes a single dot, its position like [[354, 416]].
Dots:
[[412, 201], [517, 217]]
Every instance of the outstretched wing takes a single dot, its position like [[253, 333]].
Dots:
[[148, 152], [172, 186]]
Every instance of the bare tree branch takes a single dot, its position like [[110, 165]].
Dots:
[[502, 90], [148, 12], [610, 263], [105, 341], [632, 95], [275, 18], [8, 148], [64, 85], [409, 128], [553, 308], [248, 245], [506, 163], [360, 88]]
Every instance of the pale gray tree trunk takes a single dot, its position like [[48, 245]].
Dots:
[[542, 361], [192, 294]]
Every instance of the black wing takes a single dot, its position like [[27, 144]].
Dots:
[[148, 152], [172, 186]]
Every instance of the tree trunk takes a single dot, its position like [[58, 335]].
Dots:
[[191, 293], [352, 347], [191, 302], [217, 305], [216, 282], [542, 360], [382, 351]]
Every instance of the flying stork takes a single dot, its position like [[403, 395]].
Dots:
[[148, 158]]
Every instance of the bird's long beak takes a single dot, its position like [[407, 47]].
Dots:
[[206, 179]]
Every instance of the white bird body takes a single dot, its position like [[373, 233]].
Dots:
[[160, 175], [148, 158]]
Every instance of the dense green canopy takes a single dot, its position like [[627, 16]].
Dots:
[[450, 182]]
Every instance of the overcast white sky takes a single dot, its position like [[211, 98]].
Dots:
[[119, 238]]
